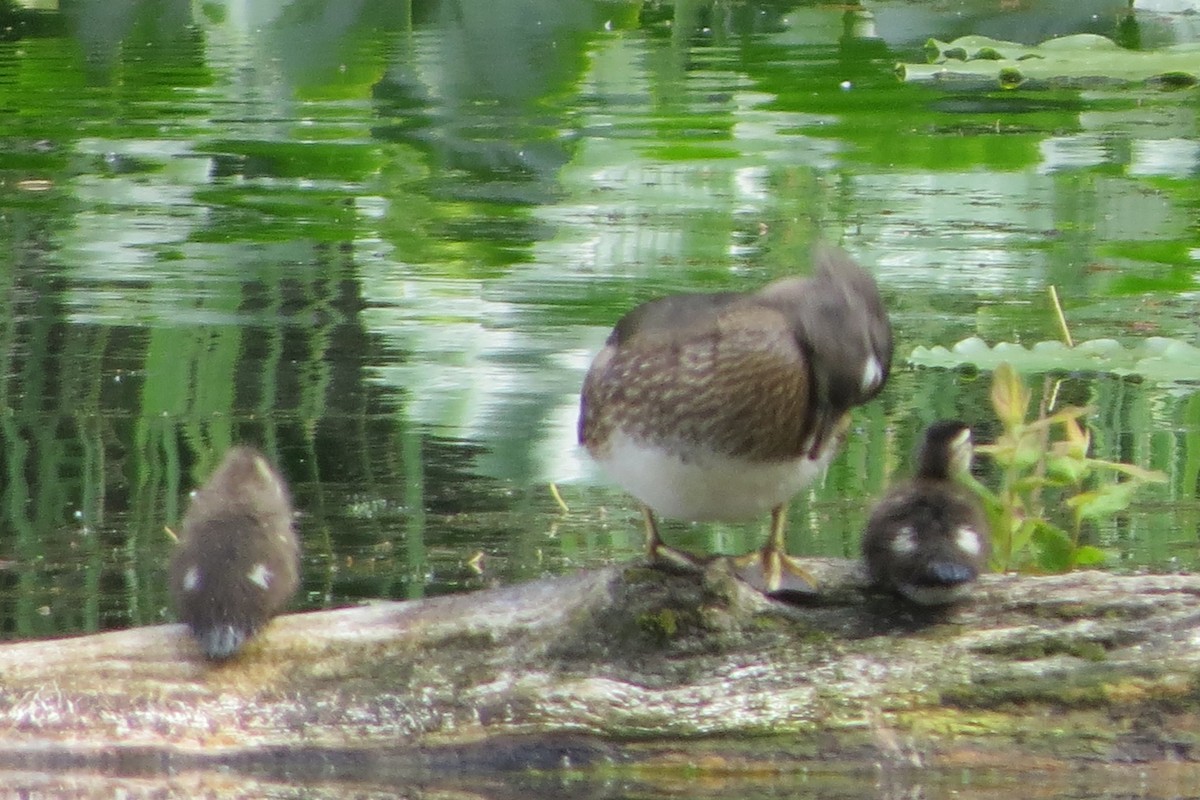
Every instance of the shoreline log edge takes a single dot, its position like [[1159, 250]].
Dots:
[[632, 667]]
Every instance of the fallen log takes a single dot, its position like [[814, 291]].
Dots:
[[628, 670]]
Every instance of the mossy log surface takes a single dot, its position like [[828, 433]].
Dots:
[[631, 668]]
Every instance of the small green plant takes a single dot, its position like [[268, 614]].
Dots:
[[1044, 465]]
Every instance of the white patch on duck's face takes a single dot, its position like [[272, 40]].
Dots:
[[191, 579], [264, 471], [968, 541], [905, 541], [963, 451], [872, 374], [260, 576]]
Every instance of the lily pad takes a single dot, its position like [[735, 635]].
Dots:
[[1079, 60], [1156, 359]]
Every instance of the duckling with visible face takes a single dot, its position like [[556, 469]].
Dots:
[[928, 538], [237, 563], [721, 407]]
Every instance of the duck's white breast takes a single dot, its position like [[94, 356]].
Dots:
[[703, 486]]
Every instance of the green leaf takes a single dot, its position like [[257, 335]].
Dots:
[[986, 496], [1010, 396], [1103, 501], [1132, 470], [1027, 484], [1028, 456], [1088, 556], [1022, 532], [1078, 440], [1054, 547], [1067, 468]]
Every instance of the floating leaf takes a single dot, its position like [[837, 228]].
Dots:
[[1078, 61], [1155, 358]]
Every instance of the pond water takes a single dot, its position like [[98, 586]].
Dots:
[[384, 245], [383, 240]]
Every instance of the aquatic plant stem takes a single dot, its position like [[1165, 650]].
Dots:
[[558, 499], [1062, 319]]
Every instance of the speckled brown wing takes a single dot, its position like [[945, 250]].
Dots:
[[726, 377]]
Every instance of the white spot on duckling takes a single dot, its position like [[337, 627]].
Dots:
[[905, 541], [260, 576], [191, 579], [968, 541]]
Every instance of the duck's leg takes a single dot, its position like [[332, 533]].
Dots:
[[660, 553], [771, 570]]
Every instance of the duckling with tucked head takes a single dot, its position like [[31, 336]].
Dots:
[[928, 538], [237, 563], [721, 407]]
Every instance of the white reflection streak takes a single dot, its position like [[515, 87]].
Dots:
[[1172, 158]]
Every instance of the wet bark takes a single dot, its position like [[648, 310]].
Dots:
[[629, 670]]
